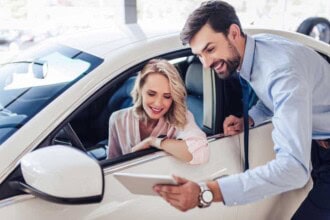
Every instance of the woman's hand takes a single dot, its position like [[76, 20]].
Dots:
[[145, 144]]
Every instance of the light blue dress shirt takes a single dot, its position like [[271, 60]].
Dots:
[[293, 86]]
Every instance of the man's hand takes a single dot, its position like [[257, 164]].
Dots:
[[183, 197], [233, 125]]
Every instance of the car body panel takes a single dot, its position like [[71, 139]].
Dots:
[[226, 158]]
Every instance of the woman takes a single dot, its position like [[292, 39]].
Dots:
[[158, 118]]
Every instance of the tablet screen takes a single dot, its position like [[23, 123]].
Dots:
[[143, 183]]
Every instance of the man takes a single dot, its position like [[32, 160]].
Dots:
[[292, 83]]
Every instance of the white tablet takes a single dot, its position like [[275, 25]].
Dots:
[[143, 183]]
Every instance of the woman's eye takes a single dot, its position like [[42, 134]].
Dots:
[[167, 97], [151, 94]]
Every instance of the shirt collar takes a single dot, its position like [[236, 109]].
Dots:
[[246, 68]]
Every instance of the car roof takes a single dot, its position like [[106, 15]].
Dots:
[[105, 40], [101, 41]]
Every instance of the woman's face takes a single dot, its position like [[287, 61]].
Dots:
[[156, 96]]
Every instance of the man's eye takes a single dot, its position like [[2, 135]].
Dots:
[[209, 50]]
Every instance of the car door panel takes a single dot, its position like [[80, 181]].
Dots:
[[281, 206], [225, 159], [119, 203]]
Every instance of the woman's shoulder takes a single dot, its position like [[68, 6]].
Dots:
[[122, 113], [189, 115]]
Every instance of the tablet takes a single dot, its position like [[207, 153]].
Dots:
[[143, 183]]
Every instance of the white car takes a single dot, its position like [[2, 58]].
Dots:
[[55, 102]]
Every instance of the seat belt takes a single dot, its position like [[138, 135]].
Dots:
[[245, 93]]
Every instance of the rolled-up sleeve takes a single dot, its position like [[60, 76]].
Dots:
[[260, 113], [196, 141]]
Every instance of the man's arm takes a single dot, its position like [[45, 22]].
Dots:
[[259, 113]]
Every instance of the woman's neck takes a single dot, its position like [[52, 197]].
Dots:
[[146, 128]]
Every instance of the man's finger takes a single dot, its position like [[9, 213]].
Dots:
[[167, 189], [171, 197], [176, 204], [180, 180], [228, 121]]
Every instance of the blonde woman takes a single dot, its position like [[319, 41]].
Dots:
[[159, 117]]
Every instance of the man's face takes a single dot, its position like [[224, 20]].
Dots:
[[215, 51]]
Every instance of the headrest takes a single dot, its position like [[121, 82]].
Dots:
[[122, 97], [194, 79]]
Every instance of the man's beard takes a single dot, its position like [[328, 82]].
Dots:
[[231, 64]]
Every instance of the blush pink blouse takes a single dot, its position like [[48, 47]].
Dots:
[[124, 133]]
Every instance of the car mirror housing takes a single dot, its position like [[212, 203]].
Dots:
[[61, 174]]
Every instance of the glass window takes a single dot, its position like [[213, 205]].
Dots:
[[31, 83]]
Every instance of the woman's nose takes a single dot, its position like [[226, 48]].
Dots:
[[158, 102]]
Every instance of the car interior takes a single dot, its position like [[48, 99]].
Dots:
[[87, 128]]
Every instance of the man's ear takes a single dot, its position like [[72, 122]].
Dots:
[[234, 32]]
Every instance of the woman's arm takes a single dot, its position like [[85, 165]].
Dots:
[[177, 148], [113, 146], [195, 140], [190, 144]]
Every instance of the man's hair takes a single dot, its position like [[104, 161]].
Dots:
[[218, 14]]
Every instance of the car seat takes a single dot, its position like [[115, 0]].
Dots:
[[194, 86], [122, 97]]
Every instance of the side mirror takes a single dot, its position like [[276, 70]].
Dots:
[[61, 174]]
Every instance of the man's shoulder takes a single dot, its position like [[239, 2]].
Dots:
[[272, 39]]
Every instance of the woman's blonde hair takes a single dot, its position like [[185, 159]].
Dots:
[[176, 115]]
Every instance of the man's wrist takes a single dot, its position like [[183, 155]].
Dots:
[[205, 197], [215, 188], [251, 122]]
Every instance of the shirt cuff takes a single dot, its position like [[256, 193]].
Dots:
[[232, 190], [257, 118]]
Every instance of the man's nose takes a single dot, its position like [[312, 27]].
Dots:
[[206, 61]]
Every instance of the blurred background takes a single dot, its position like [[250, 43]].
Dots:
[[24, 23]]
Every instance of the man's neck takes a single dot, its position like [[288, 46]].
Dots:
[[241, 50]]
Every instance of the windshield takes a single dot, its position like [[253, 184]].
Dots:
[[28, 85]]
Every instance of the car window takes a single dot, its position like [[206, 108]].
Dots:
[[29, 84], [91, 123]]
